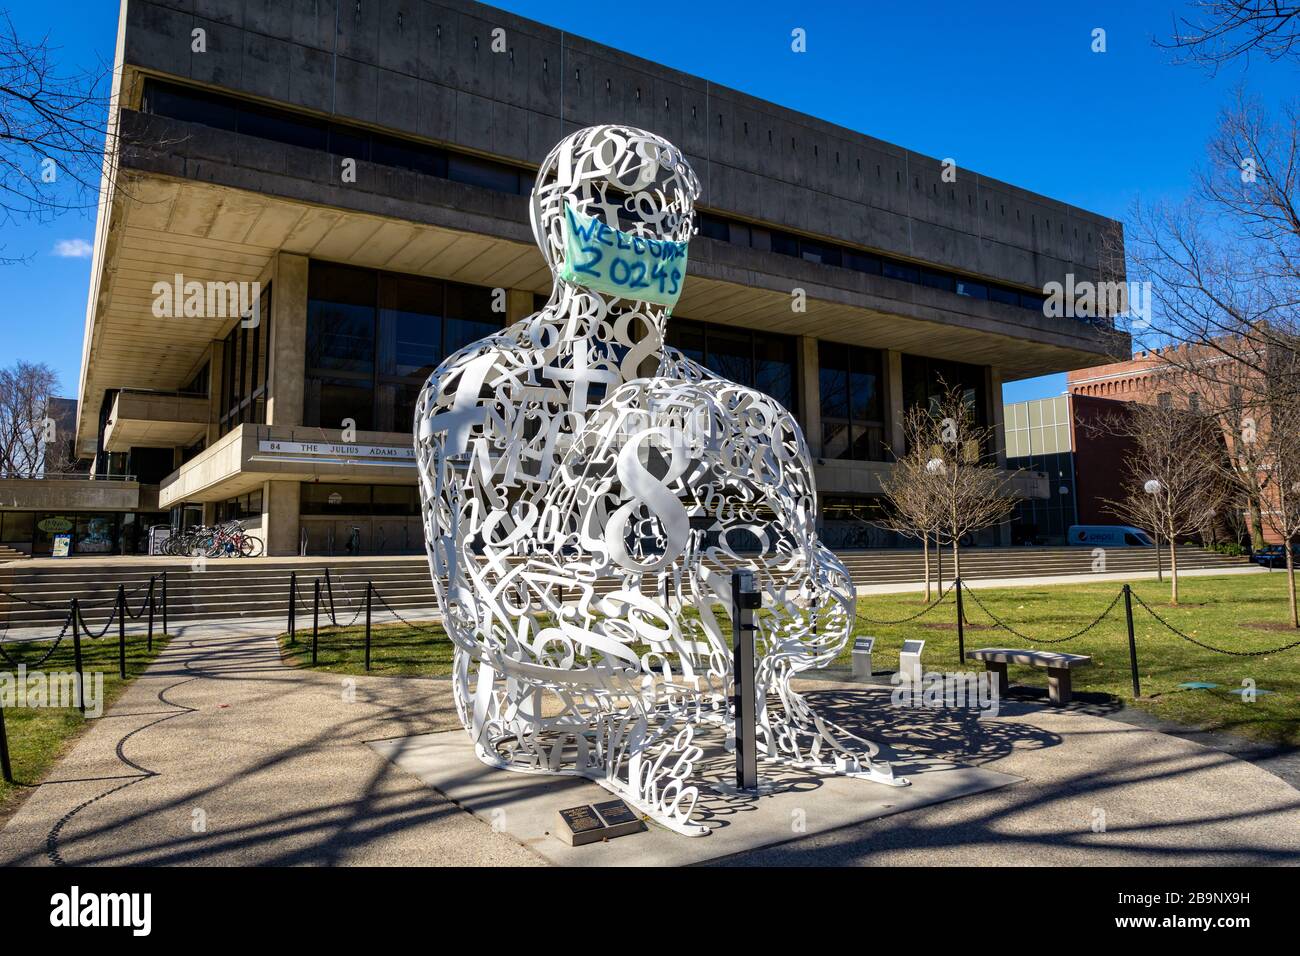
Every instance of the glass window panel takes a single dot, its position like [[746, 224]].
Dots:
[[833, 379], [835, 439], [341, 319], [482, 172], [868, 443], [864, 386], [897, 270], [862, 262], [396, 500], [342, 498], [469, 317], [976, 290], [774, 367], [410, 325], [338, 399], [688, 337], [731, 355]]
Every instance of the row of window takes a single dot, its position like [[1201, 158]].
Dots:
[[342, 498], [245, 370], [831, 254], [308, 132], [345, 141]]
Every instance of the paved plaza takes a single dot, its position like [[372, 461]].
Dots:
[[222, 754]]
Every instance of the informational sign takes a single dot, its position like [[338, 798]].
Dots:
[[62, 545], [620, 263], [863, 645], [336, 452]]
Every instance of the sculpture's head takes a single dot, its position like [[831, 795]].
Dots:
[[612, 210]]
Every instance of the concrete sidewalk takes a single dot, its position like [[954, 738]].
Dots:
[[220, 754]]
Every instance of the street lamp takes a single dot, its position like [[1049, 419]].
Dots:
[[1153, 488]]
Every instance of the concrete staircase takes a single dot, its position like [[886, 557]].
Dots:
[[12, 554], [260, 588]]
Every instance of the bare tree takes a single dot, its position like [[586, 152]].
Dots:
[[25, 424], [912, 496], [1224, 265], [971, 493], [1173, 474], [53, 131], [1281, 439], [1223, 30]]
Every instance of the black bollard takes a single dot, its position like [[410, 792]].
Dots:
[[149, 638], [75, 613], [961, 623], [369, 588], [6, 770], [293, 601], [1132, 641], [315, 620], [121, 631], [164, 601]]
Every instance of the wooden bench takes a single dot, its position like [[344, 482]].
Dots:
[[1058, 667]]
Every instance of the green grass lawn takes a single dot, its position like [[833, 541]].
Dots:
[[1237, 612], [395, 650], [1240, 613], [38, 735]]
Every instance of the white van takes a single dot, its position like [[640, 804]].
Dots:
[[1109, 536]]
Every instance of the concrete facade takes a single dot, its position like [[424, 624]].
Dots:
[[231, 204]]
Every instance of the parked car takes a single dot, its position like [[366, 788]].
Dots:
[[1108, 536], [1274, 555]]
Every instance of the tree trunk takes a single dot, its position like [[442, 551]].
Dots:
[[1290, 582], [1173, 570], [938, 557], [1256, 524], [956, 571], [925, 550]]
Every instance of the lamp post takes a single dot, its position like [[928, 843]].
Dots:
[[1153, 488]]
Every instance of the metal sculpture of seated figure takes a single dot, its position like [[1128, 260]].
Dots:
[[586, 493]]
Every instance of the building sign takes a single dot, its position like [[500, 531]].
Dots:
[[54, 525], [336, 453]]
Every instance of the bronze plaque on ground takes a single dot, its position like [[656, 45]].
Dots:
[[588, 823]]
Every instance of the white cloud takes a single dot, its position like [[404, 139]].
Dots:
[[73, 249]]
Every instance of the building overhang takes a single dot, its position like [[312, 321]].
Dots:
[[155, 420], [68, 494], [248, 455]]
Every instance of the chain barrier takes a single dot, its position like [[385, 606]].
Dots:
[[912, 617], [1209, 647], [423, 629], [67, 622], [81, 622], [1043, 640]]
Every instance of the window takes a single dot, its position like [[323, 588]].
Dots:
[[925, 380], [237, 509], [849, 386], [761, 360], [374, 337], [245, 370], [308, 132], [319, 498]]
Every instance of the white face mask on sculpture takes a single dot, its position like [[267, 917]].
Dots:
[[582, 486]]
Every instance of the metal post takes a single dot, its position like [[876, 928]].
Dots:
[[961, 622], [121, 631], [152, 581], [76, 655], [329, 590], [6, 770], [315, 619], [164, 601], [1132, 642], [744, 600], [369, 587], [293, 601]]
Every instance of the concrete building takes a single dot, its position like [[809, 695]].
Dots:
[[367, 165]]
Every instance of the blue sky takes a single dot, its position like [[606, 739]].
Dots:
[[1009, 89]]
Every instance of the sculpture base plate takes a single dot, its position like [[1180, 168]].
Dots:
[[796, 803]]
